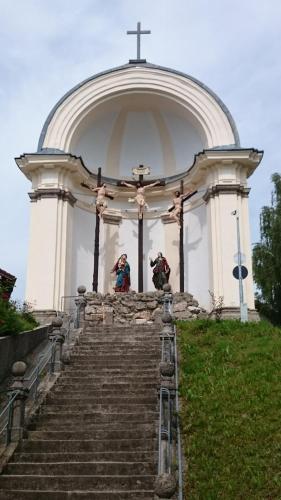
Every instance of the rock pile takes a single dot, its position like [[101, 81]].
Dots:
[[138, 308]]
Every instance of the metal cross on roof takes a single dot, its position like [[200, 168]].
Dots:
[[139, 32]]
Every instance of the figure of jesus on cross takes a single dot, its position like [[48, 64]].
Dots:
[[140, 186], [176, 210], [140, 198]]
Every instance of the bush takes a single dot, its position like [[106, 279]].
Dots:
[[15, 318]]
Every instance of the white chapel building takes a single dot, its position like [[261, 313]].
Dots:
[[139, 113]]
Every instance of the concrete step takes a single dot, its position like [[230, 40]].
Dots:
[[80, 468], [95, 437], [95, 456], [103, 393], [144, 339], [88, 445], [133, 370], [143, 329], [106, 378], [134, 416], [113, 344], [119, 346], [105, 386], [116, 362], [77, 482], [72, 424], [76, 495], [114, 358], [144, 374], [91, 434], [102, 407], [82, 399]]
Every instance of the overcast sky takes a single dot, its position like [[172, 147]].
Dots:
[[48, 46]]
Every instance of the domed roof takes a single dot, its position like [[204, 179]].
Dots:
[[138, 112]]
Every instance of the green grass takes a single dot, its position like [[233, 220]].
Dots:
[[231, 409]]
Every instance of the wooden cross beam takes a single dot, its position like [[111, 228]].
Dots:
[[181, 244], [97, 242], [140, 225]]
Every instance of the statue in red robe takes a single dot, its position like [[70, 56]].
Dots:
[[161, 271]]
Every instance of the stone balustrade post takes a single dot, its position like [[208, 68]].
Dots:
[[81, 303], [16, 419], [166, 481], [57, 336]]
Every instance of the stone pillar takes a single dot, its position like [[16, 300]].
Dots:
[[55, 176], [16, 420], [109, 252], [166, 481], [57, 335], [171, 231], [222, 200], [80, 302], [49, 261]]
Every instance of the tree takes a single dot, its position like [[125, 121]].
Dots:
[[267, 256]]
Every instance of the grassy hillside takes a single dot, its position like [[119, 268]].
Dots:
[[231, 409]]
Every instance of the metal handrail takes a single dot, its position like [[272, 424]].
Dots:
[[47, 357], [179, 457], [165, 417], [8, 423], [38, 369], [34, 379], [32, 382], [169, 435]]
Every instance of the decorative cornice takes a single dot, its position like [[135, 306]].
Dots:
[[58, 193], [226, 189]]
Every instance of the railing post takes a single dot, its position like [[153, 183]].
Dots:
[[166, 481], [80, 302], [58, 337], [16, 417]]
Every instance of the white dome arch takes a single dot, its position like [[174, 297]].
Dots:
[[198, 104]]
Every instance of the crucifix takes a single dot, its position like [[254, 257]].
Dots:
[[101, 206], [176, 213], [138, 32], [140, 187], [97, 242]]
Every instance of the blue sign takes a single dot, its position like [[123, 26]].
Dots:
[[244, 272]]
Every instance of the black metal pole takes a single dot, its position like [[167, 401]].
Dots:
[[181, 254], [140, 249], [97, 242]]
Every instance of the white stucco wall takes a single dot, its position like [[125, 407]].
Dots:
[[196, 276], [83, 249], [115, 240]]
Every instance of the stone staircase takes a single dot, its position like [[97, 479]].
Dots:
[[96, 435]]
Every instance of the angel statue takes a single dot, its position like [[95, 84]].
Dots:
[[102, 194], [139, 198]]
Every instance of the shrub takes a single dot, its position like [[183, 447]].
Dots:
[[15, 318]]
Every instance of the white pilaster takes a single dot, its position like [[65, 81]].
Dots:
[[50, 249], [222, 200]]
